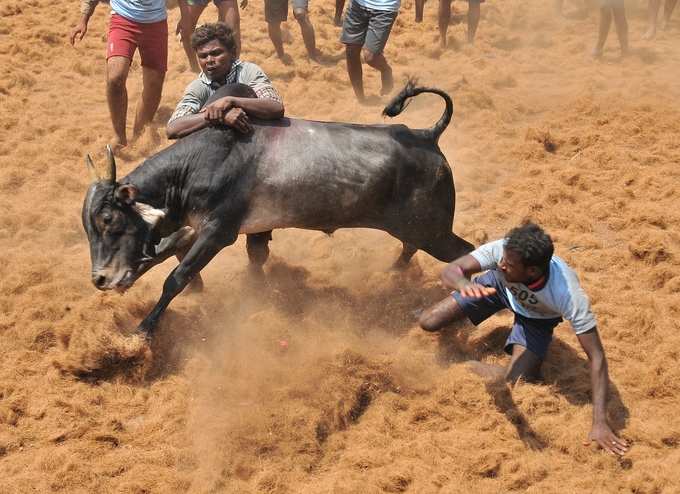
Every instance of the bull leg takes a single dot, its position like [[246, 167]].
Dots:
[[196, 284], [447, 247], [407, 252], [257, 245], [207, 245]]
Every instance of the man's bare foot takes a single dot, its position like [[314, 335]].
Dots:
[[442, 42], [650, 34], [387, 80], [597, 53], [285, 58], [118, 143]]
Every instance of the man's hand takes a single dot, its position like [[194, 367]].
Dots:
[[468, 289], [602, 434], [215, 112], [78, 32], [238, 119]]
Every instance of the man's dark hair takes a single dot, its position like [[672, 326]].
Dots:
[[531, 244], [216, 30]]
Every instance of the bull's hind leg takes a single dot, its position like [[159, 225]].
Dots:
[[407, 252], [257, 245], [447, 247]]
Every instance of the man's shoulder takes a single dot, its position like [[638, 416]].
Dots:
[[250, 70]]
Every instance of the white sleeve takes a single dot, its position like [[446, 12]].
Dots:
[[489, 255], [576, 306]]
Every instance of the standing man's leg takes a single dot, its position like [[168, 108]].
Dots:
[[227, 12], [339, 7], [668, 8], [621, 27], [444, 19], [379, 27], [275, 12], [117, 68], [301, 14], [152, 90], [420, 7], [474, 13], [652, 16], [190, 11], [153, 50], [354, 70], [603, 32], [354, 29]]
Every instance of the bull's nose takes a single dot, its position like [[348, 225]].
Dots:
[[99, 281]]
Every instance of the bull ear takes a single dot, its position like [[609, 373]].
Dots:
[[126, 194], [94, 176], [110, 175], [148, 213]]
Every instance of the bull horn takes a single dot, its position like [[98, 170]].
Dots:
[[94, 176], [110, 175]]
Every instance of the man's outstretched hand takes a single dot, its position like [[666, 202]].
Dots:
[[473, 290], [605, 437]]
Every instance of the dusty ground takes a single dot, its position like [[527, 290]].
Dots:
[[362, 401]]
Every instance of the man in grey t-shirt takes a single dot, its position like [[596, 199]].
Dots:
[[523, 276], [215, 48]]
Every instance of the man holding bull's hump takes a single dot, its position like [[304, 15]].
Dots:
[[216, 51], [523, 276]]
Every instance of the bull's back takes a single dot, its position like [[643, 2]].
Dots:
[[321, 175]]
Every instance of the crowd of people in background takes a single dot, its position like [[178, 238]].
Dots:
[[366, 27]]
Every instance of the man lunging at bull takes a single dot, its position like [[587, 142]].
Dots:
[[522, 275], [215, 47]]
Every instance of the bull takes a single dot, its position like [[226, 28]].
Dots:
[[195, 197]]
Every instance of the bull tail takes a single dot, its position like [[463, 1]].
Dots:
[[400, 101]]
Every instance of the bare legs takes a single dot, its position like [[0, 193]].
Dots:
[[227, 12], [524, 364], [606, 16], [117, 69], [654, 7], [306, 28], [378, 61], [339, 7], [473, 16]]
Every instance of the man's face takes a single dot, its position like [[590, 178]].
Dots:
[[514, 269], [215, 60]]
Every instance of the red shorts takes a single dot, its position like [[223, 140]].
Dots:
[[125, 36]]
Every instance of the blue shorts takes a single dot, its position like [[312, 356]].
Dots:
[[533, 334]]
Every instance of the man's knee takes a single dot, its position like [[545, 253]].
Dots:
[[301, 15], [368, 56], [116, 81], [525, 365]]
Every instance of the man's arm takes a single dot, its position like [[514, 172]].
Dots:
[[264, 108], [86, 9], [601, 432], [456, 276]]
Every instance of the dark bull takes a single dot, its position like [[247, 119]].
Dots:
[[193, 198]]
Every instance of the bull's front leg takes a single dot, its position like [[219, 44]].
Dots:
[[207, 245]]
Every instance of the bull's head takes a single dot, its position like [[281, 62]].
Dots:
[[119, 229]]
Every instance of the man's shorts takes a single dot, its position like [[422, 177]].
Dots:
[[367, 27], [277, 10], [125, 36], [533, 334]]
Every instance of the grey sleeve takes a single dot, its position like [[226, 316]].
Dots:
[[252, 75], [195, 96], [489, 255]]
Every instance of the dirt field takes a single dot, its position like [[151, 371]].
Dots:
[[362, 400]]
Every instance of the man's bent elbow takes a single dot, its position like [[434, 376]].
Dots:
[[171, 132]]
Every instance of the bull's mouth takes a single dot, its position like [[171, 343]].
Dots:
[[128, 279]]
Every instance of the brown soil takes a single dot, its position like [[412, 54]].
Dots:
[[362, 400]]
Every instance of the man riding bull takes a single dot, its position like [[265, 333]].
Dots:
[[216, 51], [522, 275]]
